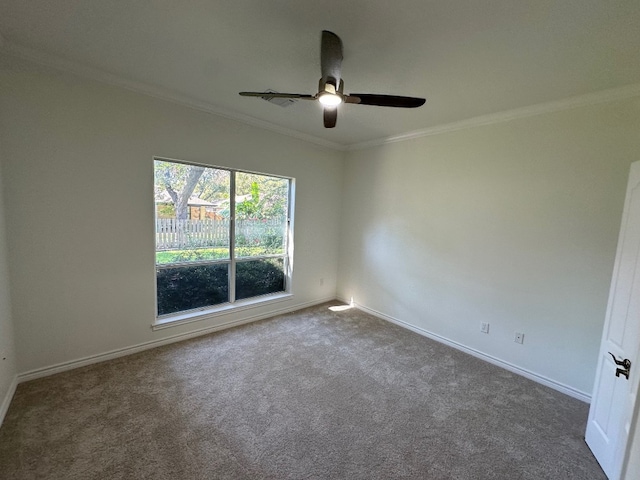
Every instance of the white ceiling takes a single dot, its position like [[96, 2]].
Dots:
[[469, 58]]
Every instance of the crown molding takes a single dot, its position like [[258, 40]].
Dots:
[[60, 63], [603, 96]]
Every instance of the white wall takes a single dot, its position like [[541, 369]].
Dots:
[[79, 206], [8, 369], [514, 224]]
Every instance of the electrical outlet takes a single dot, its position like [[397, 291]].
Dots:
[[321, 281], [519, 338], [484, 327]]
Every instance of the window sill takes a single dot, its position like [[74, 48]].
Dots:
[[217, 311]]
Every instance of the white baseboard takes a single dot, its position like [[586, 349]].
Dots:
[[560, 387], [121, 352], [6, 401], [70, 365]]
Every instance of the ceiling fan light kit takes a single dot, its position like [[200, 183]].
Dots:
[[330, 92], [330, 97]]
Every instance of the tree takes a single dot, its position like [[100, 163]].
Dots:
[[213, 185], [262, 196], [250, 208], [180, 187], [269, 195]]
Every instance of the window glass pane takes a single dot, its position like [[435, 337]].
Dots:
[[190, 202], [191, 286], [261, 214], [195, 260], [259, 277]]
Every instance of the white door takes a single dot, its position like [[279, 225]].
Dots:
[[614, 396]]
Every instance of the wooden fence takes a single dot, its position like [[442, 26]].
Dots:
[[172, 234]]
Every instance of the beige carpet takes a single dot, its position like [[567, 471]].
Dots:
[[316, 394]]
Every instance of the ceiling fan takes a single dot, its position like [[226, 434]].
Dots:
[[330, 92]]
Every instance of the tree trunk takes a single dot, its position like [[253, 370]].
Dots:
[[181, 199]]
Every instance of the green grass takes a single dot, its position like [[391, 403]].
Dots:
[[201, 254]]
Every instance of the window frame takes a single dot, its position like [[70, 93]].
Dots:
[[233, 305]]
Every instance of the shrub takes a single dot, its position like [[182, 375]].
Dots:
[[194, 286]]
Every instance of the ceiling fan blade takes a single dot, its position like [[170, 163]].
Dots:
[[384, 100], [268, 95], [331, 58], [330, 117]]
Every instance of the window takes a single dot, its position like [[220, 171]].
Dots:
[[222, 236]]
